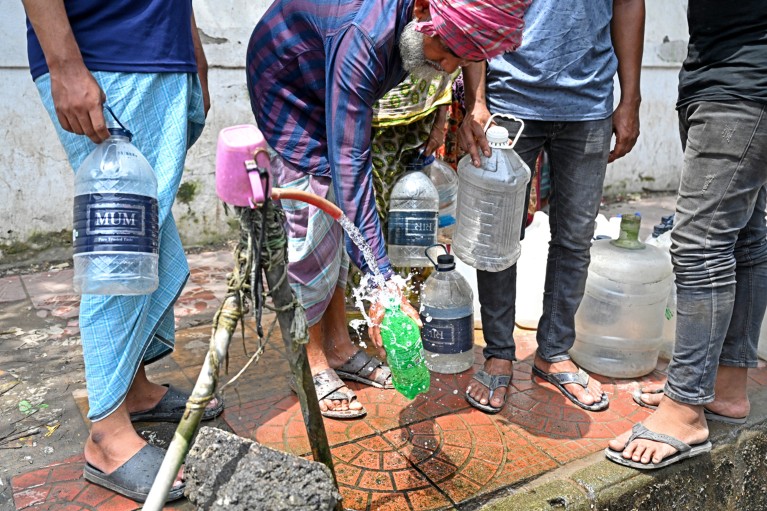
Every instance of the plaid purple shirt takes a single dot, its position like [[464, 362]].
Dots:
[[315, 68]]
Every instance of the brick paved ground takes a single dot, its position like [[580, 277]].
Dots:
[[434, 452]]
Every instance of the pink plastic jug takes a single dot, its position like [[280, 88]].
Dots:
[[242, 166]]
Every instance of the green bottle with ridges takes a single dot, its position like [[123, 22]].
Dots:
[[404, 352]]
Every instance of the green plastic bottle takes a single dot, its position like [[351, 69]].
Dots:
[[404, 352]]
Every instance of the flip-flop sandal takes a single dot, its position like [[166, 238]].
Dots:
[[639, 431], [172, 406], [135, 477], [359, 368], [637, 397], [492, 382], [327, 384], [708, 414], [559, 380], [711, 416]]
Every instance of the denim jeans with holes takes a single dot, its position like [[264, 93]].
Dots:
[[578, 157], [718, 246]]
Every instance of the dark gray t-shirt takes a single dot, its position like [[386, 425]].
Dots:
[[727, 53]]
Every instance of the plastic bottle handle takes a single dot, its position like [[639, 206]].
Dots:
[[508, 116], [426, 252]]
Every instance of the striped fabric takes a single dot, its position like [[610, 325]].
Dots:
[[477, 29], [315, 69], [317, 262], [119, 332]]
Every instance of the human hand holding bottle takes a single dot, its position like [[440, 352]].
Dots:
[[378, 309]]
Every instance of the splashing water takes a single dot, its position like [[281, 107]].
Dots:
[[356, 236], [371, 285]]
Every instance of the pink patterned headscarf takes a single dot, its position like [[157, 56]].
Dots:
[[476, 29]]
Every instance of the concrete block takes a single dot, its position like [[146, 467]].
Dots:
[[224, 471]]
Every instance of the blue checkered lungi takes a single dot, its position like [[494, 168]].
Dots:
[[165, 113]]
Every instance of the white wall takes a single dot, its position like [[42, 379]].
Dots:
[[36, 181]]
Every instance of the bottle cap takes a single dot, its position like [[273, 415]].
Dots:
[[445, 262], [629, 232], [428, 160], [497, 135], [416, 164]]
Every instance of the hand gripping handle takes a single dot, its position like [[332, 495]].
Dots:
[[508, 116]]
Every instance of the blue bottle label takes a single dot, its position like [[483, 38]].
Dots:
[[413, 228], [115, 222], [448, 336]]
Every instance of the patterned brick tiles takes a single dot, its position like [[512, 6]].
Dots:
[[430, 453]]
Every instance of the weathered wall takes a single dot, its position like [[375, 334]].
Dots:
[[36, 181]]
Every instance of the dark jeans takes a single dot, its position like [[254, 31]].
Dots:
[[578, 156], [718, 246]]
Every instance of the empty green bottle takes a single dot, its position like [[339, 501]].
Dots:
[[404, 352]]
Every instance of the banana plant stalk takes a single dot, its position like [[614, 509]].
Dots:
[[261, 236]]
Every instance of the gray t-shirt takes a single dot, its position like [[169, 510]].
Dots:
[[564, 69]]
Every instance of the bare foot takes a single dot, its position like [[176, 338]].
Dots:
[[730, 390], [588, 396], [681, 421], [480, 393], [651, 394], [336, 404]]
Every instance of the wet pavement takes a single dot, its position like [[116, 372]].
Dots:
[[434, 452]]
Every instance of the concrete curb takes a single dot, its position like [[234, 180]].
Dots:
[[732, 477]]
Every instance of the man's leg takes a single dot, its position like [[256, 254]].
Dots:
[[578, 154], [497, 290], [722, 177], [113, 440]]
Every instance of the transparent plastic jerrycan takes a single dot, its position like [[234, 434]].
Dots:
[[491, 203], [447, 314], [619, 323], [446, 180], [413, 217], [116, 223]]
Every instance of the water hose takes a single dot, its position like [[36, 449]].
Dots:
[[310, 198]]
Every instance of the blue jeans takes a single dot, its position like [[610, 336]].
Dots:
[[718, 246], [578, 156]]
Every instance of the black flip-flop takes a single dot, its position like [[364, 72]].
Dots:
[[559, 380], [134, 478], [492, 382], [172, 406], [361, 366]]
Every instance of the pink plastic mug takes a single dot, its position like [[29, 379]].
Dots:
[[242, 166]]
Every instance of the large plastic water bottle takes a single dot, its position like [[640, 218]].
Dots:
[[531, 272], [447, 314], [619, 323], [491, 205], [661, 238], [115, 233], [445, 179], [404, 352], [413, 218]]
